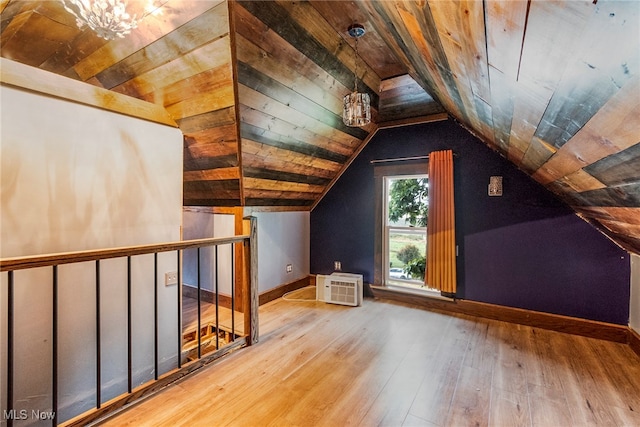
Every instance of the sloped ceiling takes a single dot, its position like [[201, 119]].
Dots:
[[256, 88]]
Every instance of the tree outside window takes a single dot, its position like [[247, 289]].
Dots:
[[407, 214]]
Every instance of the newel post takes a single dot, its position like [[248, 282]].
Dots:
[[250, 294]]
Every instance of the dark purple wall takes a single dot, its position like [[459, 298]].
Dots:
[[525, 249]]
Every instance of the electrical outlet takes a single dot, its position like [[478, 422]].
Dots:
[[289, 268], [337, 265], [171, 278]]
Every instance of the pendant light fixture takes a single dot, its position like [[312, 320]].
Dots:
[[110, 19], [356, 109], [107, 18]]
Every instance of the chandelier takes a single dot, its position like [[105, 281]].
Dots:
[[108, 18], [356, 110]]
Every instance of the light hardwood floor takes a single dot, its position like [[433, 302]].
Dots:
[[388, 364]]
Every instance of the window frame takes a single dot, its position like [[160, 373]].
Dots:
[[380, 172]]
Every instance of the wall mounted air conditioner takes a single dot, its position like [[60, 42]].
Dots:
[[339, 288]]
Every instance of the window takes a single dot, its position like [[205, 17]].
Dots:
[[401, 241], [405, 230], [442, 251]]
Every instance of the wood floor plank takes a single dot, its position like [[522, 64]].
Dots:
[[481, 352], [510, 375], [413, 421], [619, 370], [392, 404], [433, 400], [626, 417], [301, 371], [546, 413], [345, 360], [471, 401], [544, 366], [390, 364], [582, 383], [509, 409]]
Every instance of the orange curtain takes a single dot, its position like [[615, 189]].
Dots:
[[441, 240]]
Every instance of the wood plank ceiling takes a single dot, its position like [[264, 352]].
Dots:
[[256, 88]]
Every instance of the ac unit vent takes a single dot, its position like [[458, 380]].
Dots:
[[340, 288], [344, 292]]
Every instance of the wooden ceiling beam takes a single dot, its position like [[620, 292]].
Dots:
[[31, 78]]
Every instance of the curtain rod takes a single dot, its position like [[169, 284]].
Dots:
[[400, 159]]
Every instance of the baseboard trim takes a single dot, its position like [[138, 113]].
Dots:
[[277, 292], [554, 322], [206, 296], [634, 341], [265, 297]]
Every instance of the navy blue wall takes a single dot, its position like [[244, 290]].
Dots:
[[525, 249]]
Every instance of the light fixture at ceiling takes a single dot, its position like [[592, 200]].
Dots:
[[108, 18], [356, 110]]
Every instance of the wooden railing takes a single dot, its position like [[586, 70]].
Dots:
[[15, 412]]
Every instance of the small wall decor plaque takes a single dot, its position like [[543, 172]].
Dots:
[[495, 186]]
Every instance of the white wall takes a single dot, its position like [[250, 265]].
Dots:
[[634, 304], [201, 225], [72, 178], [283, 238]]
